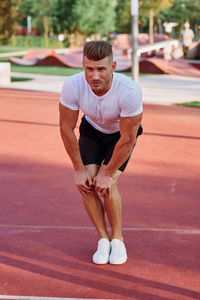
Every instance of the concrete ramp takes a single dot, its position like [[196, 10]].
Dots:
[[175, 66], [32, 57], [73, 59]]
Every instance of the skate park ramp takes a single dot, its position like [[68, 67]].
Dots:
[[158, 65], [34, 57], [73, 58]]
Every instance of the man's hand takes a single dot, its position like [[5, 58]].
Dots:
[[103, 183], [83, 181]]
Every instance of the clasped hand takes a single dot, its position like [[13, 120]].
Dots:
[[101, 183]]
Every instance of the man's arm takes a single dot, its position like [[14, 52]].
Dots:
[[68, 121], [128, 131]]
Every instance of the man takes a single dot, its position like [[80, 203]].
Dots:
[[187, 36], [112, 107], [168, 27]]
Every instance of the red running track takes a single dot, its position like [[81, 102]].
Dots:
[[46, 239]]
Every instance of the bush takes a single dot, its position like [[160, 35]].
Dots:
[[34, 42]]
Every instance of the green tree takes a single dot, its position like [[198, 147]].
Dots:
[[41, 14], [152, 7], [62, 17], [26, 7], [94, 17], [181, 11], [148, 11], [42, 10], [9, 17], [123, 16]]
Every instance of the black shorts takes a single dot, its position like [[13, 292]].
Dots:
[[97, 147]]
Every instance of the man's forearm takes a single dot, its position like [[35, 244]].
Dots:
[[128, 135], [120, 154], [72, 148]]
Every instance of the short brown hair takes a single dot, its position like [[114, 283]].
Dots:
[[96, 50]]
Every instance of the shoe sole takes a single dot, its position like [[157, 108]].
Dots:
[[118, 262], [100, 263]]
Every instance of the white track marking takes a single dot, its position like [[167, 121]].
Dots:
[[175, 230]]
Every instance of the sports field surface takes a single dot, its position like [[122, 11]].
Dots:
[[46, 238]]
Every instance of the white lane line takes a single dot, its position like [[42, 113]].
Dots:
[[175, 230], [43, 298], [47, 227]]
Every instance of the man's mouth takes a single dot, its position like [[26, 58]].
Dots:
[[95, 83]]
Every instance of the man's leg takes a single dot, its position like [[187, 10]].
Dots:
[[113, 208], [95, 210], [185, 50], [94, 206]]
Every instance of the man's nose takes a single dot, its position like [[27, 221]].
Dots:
[[95, 75]]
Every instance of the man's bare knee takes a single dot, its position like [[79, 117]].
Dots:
[[92, 170], [88, 196]]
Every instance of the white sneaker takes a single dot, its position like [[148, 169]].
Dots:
[[118, 254], [101, 256]]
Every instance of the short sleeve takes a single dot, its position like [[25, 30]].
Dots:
[[131, 102], [68, 97]]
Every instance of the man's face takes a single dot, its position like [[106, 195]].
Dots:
[[99, 74]]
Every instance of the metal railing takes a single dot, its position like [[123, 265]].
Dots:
[[157, 46]]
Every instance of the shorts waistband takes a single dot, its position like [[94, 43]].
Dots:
[[98, 131]]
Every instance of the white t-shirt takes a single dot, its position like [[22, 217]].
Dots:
[[103, 112], [187, 37]]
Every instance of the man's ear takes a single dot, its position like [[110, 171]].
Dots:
[[114, 66], [83, 61]]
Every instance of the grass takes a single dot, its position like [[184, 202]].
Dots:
[[4, 59], [46, 70], [57, 71], [24, 42], [5, 49], [190, 104], [50, 70], [16, 79]]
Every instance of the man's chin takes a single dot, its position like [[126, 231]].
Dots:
[[98, 91], [96, 87]]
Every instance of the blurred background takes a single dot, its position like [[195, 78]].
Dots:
[[67, 23]]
